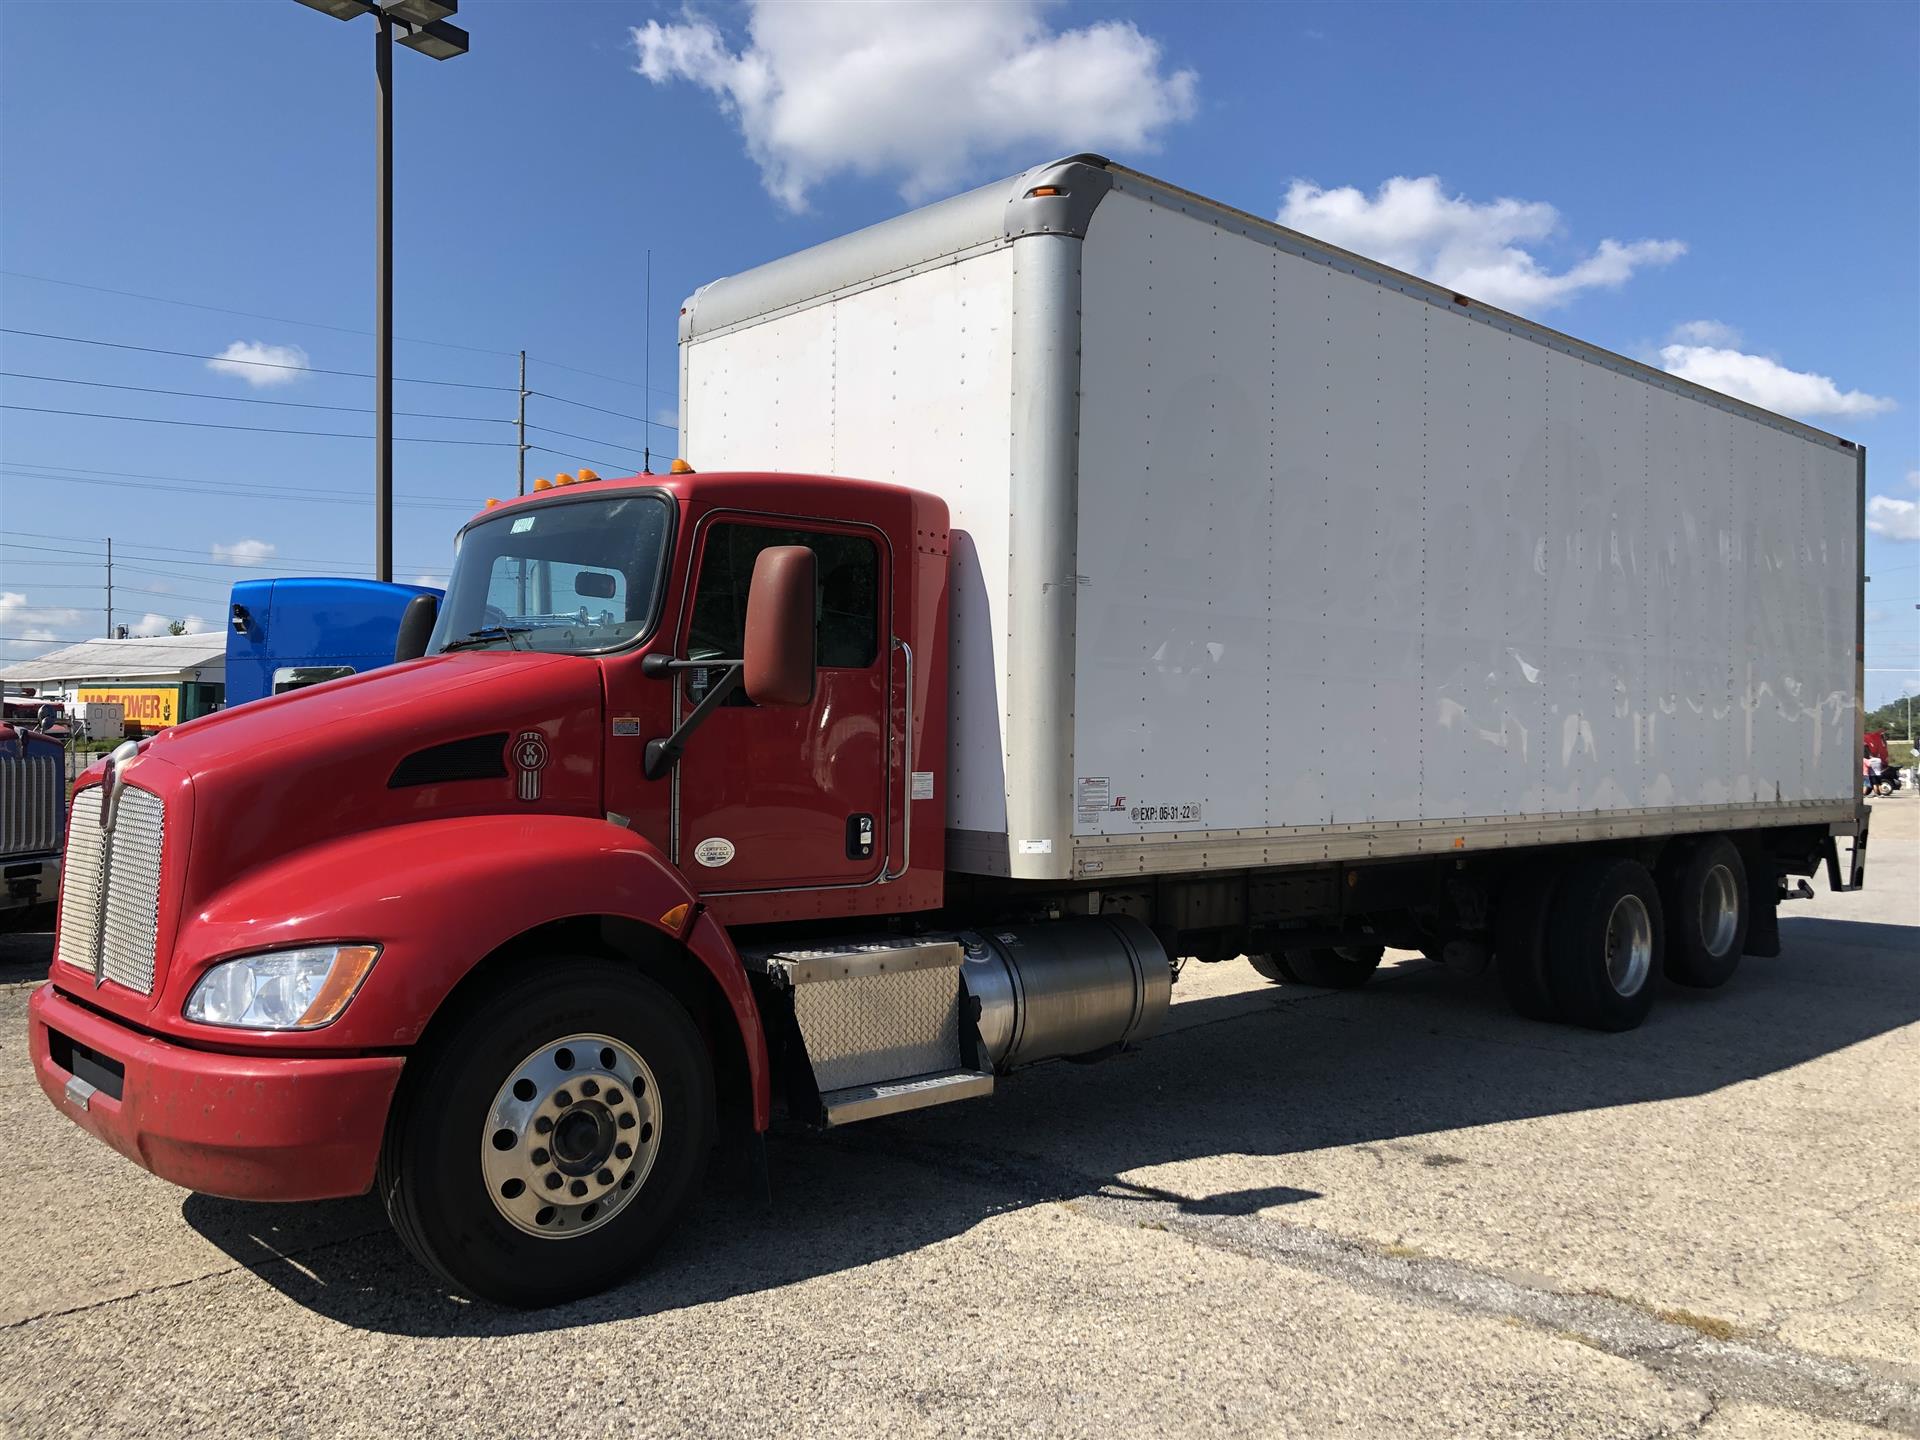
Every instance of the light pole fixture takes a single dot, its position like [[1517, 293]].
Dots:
[[420, 25]]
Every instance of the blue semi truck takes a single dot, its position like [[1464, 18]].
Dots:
[[286, 634]]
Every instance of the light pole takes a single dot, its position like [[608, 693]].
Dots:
[[422, 25]]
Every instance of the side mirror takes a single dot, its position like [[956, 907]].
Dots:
[[778, 656], [416, 627]]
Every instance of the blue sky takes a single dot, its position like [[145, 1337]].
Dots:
[[1731, 191]]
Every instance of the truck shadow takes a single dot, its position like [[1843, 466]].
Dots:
[[1270, 1074]]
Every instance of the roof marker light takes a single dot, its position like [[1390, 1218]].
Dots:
[[563, 478], [586, 475], [679, 467], [491, 502], [543, 483], [1043, 192]]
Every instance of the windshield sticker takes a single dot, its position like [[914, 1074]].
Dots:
[[714, 853], [523, 524]]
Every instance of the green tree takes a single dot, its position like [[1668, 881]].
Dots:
[[176, 627]]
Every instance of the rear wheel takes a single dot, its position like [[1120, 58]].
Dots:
[[1703, 888], [1274, 966], [545, 1143], [1345, 967], [1605, 939], [1520, 940]]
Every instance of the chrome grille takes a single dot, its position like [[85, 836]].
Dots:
[[132, 925], [30, 790], [80, 879], [110, 889]]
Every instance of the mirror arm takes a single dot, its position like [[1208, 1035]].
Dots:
[[663, 755]]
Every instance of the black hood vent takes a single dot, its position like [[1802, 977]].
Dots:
[[478, 757]]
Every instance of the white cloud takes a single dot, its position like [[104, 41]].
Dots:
[[1705, 332], [260, 364], [1913, 479], [1893, 519], [20, 621], [1766, 382], [1479, 248], [245, 552], [920, 94], [153, 623]]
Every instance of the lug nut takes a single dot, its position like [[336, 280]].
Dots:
[[553, 1180], [539, 1156], [605, 1177], [579, 1187]]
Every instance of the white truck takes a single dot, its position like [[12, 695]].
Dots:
[[1231, 595], [1276, 568]]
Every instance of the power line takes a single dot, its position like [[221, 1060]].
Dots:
[[247, 314], [610, 379], [584, 439], [137, 551], [217, 489], [261, 364], [621, 414], [249, 399], [252, 429]]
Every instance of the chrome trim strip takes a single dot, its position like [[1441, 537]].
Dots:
[[906, 794]]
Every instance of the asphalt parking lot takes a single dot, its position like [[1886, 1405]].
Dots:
[[1400, 1211]]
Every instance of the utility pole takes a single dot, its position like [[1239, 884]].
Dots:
[[521, 421], [109, 587], [383, 304], [646, 375]]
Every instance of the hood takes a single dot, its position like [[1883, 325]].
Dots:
[[442, 736]]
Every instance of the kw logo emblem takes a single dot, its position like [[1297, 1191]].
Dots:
[[530, 754]]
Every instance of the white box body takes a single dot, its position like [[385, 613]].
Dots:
[[1266, 553]]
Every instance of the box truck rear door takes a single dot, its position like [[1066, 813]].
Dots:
[[789, 797]]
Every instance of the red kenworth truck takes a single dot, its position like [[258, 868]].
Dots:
[[1211, 592]]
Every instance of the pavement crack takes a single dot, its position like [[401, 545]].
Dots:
[[1686, 1351], [278, 1257]]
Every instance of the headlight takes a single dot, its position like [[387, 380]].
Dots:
[[284, 990]]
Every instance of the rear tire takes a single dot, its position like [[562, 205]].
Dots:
[[1703, 888], [1605, 943], [1275, 967], [446, 1138], [1346, 967], [1520, 940]]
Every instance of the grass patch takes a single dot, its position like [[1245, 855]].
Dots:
[[1712, 1326], [1403, 1252]]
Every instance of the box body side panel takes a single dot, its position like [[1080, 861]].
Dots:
[[1350, 558], [908, 382]]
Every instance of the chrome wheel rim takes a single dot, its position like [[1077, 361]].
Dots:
[[571, 1136], [1719, 911], [1629, 945]]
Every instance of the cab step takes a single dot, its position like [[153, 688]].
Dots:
[[884, 1023], [892, 1097]]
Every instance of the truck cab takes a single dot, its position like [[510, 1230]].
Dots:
[[654, 714]]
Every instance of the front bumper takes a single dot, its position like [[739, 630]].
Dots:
[[243, 1126]]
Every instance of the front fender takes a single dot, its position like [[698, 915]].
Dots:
[[440, 896]]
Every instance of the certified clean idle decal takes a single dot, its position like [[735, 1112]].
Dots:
[[714, 853], [530, 755]]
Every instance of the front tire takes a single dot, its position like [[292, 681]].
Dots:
[[550, 1137], [1606, 939]]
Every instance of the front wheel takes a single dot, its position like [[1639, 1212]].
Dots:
[[548, 1139]]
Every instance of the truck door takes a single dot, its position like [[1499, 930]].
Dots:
[[788, 797]]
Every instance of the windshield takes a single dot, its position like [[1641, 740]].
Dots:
[[576, 577]]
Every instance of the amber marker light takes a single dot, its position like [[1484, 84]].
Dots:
[[679, 467], [342, 984], [586, 475]]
